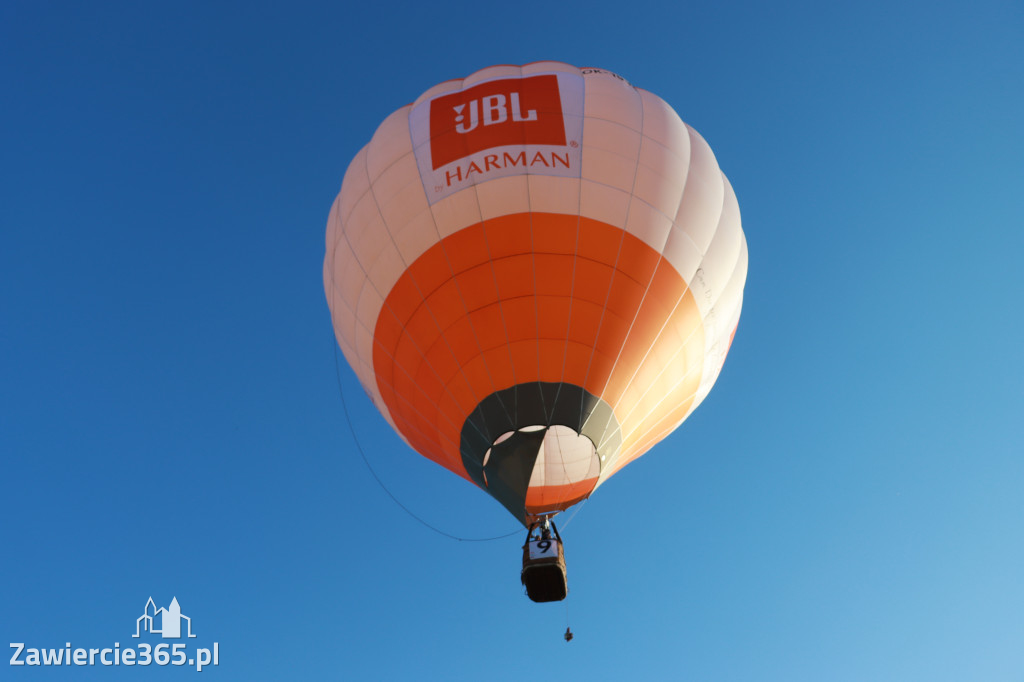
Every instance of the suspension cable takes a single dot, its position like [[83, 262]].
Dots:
[[366, 461]]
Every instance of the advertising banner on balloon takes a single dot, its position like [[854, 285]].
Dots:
[[497, 128]]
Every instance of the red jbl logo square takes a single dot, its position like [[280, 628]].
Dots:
[[502, 112]]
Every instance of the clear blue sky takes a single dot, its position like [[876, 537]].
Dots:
[[846, 505]]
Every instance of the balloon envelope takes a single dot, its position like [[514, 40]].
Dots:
[[536, 273]]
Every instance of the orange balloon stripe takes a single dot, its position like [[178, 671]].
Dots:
[[549, 497], [533, 297]]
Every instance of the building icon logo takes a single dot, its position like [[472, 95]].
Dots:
[[165, 622]]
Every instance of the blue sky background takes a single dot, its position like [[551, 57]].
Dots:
[[846, 505]]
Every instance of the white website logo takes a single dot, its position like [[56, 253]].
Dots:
[[165, 622], [170, 620]]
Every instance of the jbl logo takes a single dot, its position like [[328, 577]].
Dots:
[[495, 111], [510, 111]]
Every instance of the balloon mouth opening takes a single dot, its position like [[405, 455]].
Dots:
[[539, 448], [564, 456], [565, 468]]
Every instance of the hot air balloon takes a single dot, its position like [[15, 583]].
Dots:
[[536, 273]]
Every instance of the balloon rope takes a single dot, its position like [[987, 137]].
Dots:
[[366, 461]]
